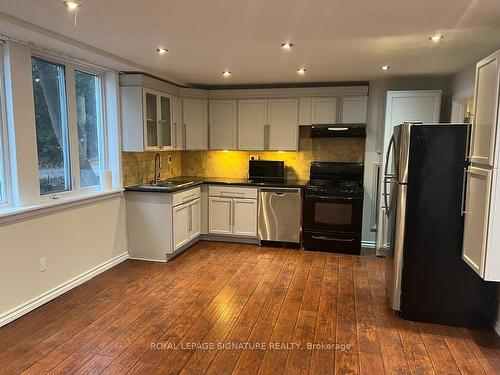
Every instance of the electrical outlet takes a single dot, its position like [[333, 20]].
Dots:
[[169, 159], [43, 264], [254, 157]]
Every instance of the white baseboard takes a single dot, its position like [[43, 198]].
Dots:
[[368, 244], [148, 259], [26, 307]]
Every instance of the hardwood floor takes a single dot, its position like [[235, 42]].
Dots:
[[151, 318]]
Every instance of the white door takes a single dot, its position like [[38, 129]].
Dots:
[[353, 109], [486, 111], [283, 124], [178, 133], [305, 111], [220, 215], [252, 124], [165, 128], [195, 123], [245, 217], [222, 124], [323, 111], [402, 106], [476, 218], [194, 219], [180, 228], [150, 105]]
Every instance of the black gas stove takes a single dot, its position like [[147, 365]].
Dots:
[[333, 207]]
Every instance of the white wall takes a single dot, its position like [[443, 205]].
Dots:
[[375, 129], [74, 241], [76, 238]]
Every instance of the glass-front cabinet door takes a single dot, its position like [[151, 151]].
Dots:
[[165, 122], [151, 120], [157, 120]]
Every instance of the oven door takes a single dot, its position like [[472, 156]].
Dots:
[[333, 214]]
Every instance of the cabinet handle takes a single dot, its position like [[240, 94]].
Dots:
[[184, 136], [233, 212], [190, 218], [266, 136], [464, 181], [339, 110], [175, 134], [208, 135]]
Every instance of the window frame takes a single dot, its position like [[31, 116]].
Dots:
[[101, 111], [6, 198], [70, 68]]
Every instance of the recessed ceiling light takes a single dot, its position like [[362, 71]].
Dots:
[[436, 38], [37, 79], [287, 45], [161, 50], [385, 67], [301, 71], [71, 5], [226, 73]]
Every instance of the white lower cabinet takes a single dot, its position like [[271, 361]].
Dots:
[[186, 222], [232, 211], [161, 224], [180, 217], [220, 215], [245, 217]]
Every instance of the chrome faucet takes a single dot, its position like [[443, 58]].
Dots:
[[158, 166]]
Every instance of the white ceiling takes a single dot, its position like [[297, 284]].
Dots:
[[336, 40]]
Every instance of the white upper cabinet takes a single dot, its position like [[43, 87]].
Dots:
[[146, 119], [305, 111], [353, 109], [195, 117], [485, 118], [283, 129], [323, 111], [178, 128], [252, 124], [222, 124]]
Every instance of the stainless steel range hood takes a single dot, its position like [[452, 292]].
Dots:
[[338, 130]]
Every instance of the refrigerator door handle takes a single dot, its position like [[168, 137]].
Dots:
[[387, 176], [463, 210]]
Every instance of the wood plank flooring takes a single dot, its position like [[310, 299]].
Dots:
[[229, 308]]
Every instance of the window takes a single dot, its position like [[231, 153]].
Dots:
[[89, 120], [69, 127], [52, 132]]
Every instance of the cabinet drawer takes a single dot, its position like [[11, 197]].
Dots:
[[186, 196], [232, 191]]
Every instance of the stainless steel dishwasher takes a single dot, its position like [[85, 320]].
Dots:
[[280, 214]]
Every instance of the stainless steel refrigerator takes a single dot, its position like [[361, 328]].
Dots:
[[426, 278]]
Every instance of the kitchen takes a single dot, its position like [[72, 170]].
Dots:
[[247, 195]]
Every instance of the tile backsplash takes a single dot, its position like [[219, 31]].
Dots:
[[139, 167]]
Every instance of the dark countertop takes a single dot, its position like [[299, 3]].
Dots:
[[195, 181]]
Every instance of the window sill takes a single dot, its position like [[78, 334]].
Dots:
[[15, 214]]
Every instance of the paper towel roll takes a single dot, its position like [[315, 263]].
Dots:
[[106, 180]]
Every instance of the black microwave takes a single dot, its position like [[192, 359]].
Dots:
[[267, 170]]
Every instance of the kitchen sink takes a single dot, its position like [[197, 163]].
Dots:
[[165, 184]]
